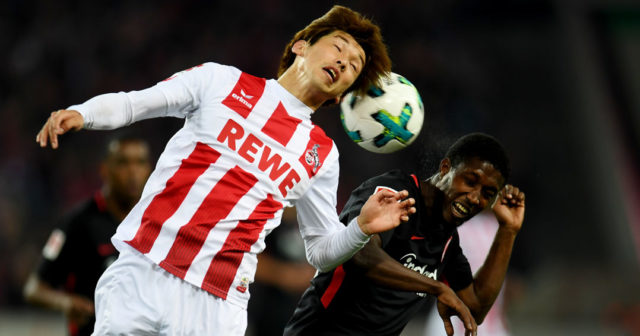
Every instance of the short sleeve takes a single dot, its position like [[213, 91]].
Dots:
[[457, 272], [58, 254]]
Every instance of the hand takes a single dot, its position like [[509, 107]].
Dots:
[[59, 122], [78, 309], [509, 208], [385, 210], [448, 305]]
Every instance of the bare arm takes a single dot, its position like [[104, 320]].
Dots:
[[385, 271], [488, 280], [77, 308]]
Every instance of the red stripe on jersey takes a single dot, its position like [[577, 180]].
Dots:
[[317, 150], [281, 125], [415, 179], [224, 266], [446, 246], [216, 206], [334, 285], [245, 94], [165, 204]]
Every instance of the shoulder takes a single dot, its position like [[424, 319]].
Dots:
[[206, 72], [74, 219], [85, 212], [394, 179]]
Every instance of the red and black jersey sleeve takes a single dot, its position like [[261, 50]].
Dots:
[[457, 271], [396, 180]]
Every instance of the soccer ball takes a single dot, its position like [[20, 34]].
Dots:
[[386, 118]]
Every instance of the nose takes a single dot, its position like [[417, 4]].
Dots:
[[341, 65], [474, 196]]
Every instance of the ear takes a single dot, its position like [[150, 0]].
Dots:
[[299, 47], [445, 166]]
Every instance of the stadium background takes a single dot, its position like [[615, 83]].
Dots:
[[557, 81]]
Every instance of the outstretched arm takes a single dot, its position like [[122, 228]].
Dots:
[[107, 111], [480, 295], [176, 96], [385, 271]]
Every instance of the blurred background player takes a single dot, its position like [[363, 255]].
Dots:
[[476, 237], [80, 249], [282, 275]]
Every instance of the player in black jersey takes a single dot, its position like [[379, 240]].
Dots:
[[80, 249], [383, 285]]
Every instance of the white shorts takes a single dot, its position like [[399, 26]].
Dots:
[[134, 296]]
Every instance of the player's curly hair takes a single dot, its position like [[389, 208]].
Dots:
[[363, 30], [482, 146]]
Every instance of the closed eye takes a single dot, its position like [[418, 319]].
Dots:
[[488, 194], [469, 181]]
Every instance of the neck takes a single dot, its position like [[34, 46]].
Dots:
[[301, 87], [117, 207], [432, 197]]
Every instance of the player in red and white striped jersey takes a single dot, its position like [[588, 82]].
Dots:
[[248, 149]]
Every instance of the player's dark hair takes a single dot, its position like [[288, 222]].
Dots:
[[482, 146], [365, 32], [120, 138]]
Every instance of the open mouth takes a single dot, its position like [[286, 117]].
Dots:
[[460, 210], [333, 74]]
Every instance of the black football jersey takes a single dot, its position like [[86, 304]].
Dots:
[[344, 302], [79, 251]]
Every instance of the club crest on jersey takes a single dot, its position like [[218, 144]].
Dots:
[[54, 244], [244, 283], [312, 158]]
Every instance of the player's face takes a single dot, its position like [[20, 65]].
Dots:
[[332, 63], [469, 188], [127, 169]]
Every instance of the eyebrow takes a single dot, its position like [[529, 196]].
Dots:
[[347, 42], [477, 176]]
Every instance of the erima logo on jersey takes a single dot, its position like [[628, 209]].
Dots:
[[312, 158], [245, 95], [242, 100]]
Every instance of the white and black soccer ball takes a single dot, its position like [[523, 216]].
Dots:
[[386, 118]]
